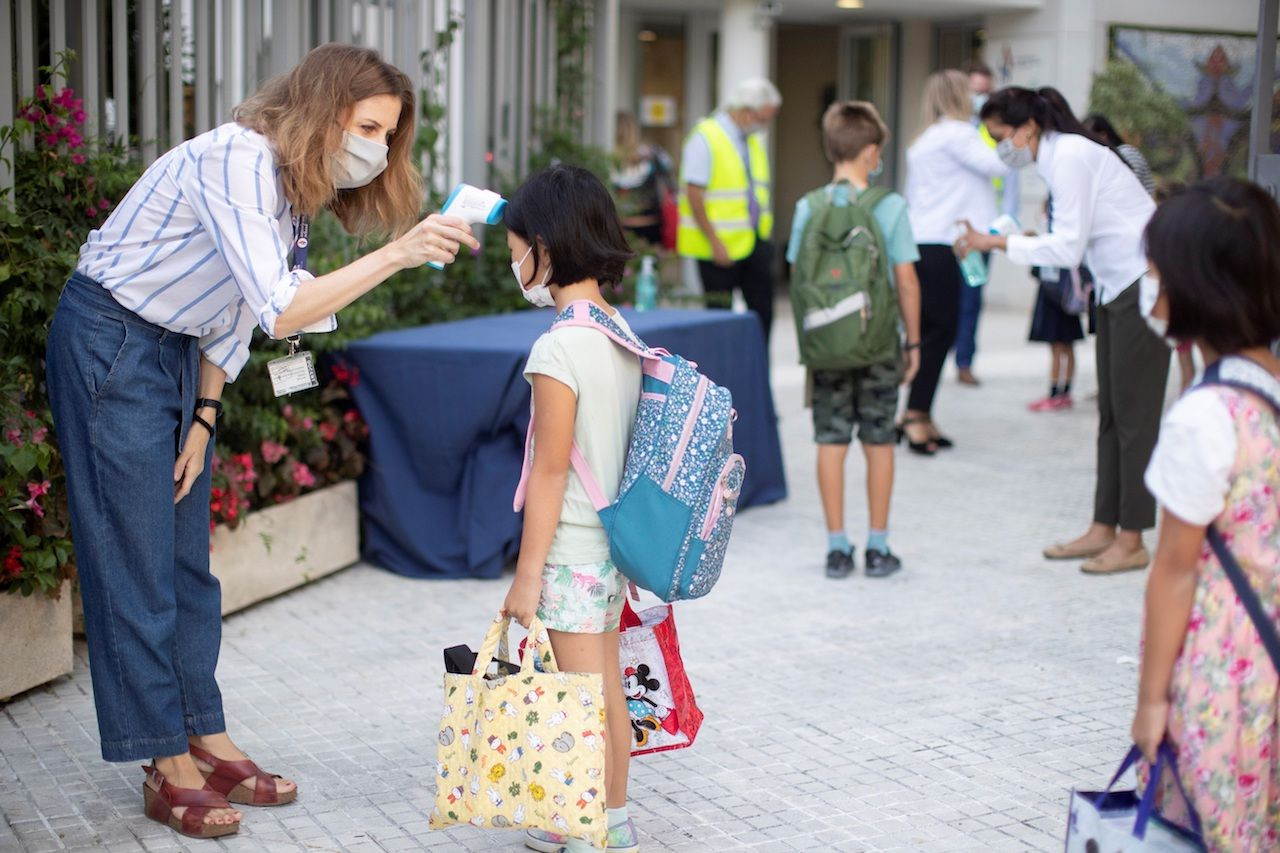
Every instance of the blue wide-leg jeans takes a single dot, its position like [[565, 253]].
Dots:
[[123, 392]]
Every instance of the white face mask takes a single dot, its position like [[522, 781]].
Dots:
[[540, 294], [359, 162], [1013, 156], [1148, 293]]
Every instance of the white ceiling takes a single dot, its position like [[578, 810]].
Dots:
[[826, 10]]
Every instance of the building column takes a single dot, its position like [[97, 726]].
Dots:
[[745, 45]]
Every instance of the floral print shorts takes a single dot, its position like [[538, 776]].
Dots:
[[585, 598]]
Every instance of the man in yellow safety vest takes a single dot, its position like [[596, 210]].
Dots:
[[726, 214]]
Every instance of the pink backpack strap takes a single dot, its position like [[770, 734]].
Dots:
[[580, 465]]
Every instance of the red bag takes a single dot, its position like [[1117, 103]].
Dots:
[[670, 219], [664, 712]]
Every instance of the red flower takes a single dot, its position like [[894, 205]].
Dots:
[[341, 373], [328, 431], [351, 416], [13, 562], [103, 204]]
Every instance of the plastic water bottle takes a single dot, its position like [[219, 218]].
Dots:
[[974, 269], [646, 286]]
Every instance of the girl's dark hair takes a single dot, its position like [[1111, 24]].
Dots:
[[1102, 130], [1216, 248], [568, 211], [1014, 105]]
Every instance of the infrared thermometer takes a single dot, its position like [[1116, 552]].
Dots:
[[473, 205]]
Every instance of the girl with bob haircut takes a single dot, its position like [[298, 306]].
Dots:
[[158, 315], [1099, 212], [566, 244], [1208, 685]]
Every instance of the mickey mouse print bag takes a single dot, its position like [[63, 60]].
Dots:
[[522, 751], [664, 713]]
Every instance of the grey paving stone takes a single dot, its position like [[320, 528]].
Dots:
[[948, 708]]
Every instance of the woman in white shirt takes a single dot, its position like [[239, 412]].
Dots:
[[1100, 210], [156, 318], [949, 172]]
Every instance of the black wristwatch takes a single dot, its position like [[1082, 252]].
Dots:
[[206, 403]]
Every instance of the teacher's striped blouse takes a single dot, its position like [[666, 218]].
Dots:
[[200, 245]]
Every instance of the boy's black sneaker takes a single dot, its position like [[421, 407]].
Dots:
[[839, 564], [881, 564]]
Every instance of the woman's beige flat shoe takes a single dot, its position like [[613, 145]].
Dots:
[[1098, 566], [1073, 552]]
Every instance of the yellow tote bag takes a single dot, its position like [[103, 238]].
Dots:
[[525, 751]]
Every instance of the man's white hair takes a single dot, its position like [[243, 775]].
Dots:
[[755, 93]]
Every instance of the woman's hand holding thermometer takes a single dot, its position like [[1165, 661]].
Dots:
[[473, 206]]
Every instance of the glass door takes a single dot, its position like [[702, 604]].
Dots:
[[868, 64]]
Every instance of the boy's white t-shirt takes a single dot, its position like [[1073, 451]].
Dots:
[[606, 380], [1190, 468]]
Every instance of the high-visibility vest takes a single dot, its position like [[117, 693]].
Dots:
[[998, 183], [727, 197]]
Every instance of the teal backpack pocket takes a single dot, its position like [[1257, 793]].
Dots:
[[647, 529]]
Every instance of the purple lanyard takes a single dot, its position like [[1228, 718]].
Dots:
[[301, 239]]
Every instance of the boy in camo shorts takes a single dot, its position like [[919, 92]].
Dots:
[[864, 398]]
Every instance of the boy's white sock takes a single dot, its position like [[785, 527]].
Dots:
[[617, 816], [579, 845]]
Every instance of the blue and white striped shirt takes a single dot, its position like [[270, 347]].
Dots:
[[200, 245]]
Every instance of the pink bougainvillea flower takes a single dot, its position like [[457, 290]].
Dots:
[[273, 452], [308, 424], [79, 116], [103, 203], [302, 475], [287, 411], [50, 139], [34, 506], [38, 489], [39, 435], [78, 159], [14, 436]]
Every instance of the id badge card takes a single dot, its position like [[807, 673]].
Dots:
[[293, 372]]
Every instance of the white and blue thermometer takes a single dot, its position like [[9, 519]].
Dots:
[[473, 205]]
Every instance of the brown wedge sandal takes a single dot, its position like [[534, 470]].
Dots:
[[159, 803], [232, 779]]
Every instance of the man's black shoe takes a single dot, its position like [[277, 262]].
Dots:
[[881, 564], [839, 564]]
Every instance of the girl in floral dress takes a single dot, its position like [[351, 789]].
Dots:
[[1208, 684]]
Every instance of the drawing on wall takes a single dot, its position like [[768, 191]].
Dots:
[[1209, 76]]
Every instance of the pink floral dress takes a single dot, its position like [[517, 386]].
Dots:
[[1223, 718]]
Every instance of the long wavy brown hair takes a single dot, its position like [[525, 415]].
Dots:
[[304, 113]]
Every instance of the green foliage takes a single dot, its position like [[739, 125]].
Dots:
[[1147, 118]]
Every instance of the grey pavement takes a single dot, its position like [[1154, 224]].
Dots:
[[951, 707]]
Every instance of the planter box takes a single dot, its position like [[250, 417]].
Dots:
[[35, 633], [282, 547]]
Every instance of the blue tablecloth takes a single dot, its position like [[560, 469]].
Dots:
[[447, 407]]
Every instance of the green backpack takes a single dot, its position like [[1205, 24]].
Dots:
[[844, 303]]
